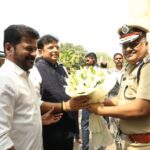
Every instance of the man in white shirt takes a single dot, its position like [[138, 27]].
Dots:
[[117, 72], [20, 102], [20, 116]]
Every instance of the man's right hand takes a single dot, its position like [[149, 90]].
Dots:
[[76, 103]]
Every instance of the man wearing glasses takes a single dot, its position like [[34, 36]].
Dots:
[[132, 104], [48, 77]]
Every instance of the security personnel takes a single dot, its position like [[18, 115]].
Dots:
[[132, 105]]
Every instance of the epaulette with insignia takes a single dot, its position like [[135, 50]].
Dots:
[[146, 59]]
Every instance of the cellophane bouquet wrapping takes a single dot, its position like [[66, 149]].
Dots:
[[94, 83]]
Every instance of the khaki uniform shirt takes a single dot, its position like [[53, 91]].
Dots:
[[129, 91]]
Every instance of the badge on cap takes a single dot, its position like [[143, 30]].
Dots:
[[125, 29]]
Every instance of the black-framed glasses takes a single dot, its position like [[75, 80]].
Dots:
[[134, 44]]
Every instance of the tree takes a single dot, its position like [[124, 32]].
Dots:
[[72, 56]]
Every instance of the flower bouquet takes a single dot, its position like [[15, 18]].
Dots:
[[94, 83]]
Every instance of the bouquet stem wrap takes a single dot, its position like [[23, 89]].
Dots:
[[100, 135], [94, 83]]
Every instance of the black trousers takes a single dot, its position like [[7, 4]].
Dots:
[[63, 145], [77, 132]]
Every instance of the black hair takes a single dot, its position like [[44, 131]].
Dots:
[[117, 54], [91, 54], [45, 40], [103, 64], [14, 34]]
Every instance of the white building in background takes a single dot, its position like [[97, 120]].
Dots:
[[139, 13]]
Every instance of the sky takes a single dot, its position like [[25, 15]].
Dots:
[[90, 23]]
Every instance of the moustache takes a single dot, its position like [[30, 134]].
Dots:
[[32, 58]]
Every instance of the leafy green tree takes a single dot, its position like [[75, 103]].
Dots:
[[72, 56]]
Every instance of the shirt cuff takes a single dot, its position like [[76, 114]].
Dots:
[[5, 142]]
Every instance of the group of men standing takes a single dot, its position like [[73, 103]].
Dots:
[[30, 96]]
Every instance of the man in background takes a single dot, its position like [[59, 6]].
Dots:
[[118, 73], [91, 60]]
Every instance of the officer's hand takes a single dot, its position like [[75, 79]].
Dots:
[[95, 108]]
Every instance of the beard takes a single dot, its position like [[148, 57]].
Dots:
[[24, 62]]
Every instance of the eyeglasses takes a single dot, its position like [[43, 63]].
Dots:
[[134, 44]]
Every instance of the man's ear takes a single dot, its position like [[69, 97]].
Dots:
[[8, 47]]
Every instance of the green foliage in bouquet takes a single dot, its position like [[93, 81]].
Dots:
[[84, 80]]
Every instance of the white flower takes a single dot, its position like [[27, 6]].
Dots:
[[96, 83], [86, 81]]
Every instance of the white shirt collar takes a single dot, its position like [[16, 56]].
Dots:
[[15, 68]]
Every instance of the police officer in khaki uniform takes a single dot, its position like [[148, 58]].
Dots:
[[132, 105]]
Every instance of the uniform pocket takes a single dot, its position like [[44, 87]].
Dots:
[[130, 88]]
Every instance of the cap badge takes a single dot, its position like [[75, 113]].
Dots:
[[125, 29]]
